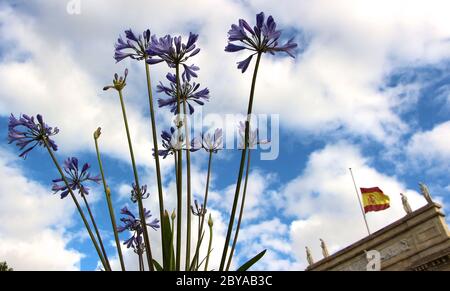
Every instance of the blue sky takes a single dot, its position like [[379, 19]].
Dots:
[[368, 90]]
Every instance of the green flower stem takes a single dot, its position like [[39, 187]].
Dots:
[[205, 202], [241, 167], [247, 171], [105, 256], [155, 146], [141, 261], [80, 211], [179, 176], [110, 207], [199, 240], [138, 187], [188, 174], [209, 246], [171, 241], [176, 166]]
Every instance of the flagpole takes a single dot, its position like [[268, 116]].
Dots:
[[360, 203]]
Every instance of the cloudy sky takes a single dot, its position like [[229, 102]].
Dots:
[[368, 90]]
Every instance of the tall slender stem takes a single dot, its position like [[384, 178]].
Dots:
[[209, 245], [105, 256], [199, 238], [179, 174], [141, 261], [171, 242], [205, 202], [136, 180], [80, 211], [110, 207], [241, 211], [241, 167], [188, 176], [176, 166], [155, 146]]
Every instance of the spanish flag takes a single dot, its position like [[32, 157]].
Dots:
[[374, 199]]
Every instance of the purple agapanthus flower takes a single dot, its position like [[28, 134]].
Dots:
[[189, 92], [133, 224], [209, 142], [26, 133], [253, 137], [262, 38], [174, 52], [135, 193], [171, 141], [75, 178], [132, 46]]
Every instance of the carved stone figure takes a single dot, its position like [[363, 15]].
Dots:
[[309, 256], [405, 203], [425, 192], [324, 249]]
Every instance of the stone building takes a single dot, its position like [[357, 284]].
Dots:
[[420, 241]]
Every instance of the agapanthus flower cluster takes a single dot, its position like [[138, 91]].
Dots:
[[209, 142], [118, 82], [253, 137], [189, 92], [77, 179], [133, 46], [133, 224], [27, 134], [172, 51], [171, 141], [262, 38], [135, 193]]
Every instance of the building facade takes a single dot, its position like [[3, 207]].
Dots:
[[420, 241]]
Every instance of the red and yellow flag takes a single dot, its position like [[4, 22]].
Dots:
[[374, 199]]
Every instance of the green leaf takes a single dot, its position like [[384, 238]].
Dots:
[[157, 265], [252, 261]]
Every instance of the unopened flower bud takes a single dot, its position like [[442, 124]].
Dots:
[[210, 221], [97, 133]]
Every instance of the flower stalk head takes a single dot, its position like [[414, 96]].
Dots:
[[118, 82], [133, 46], [210, 221], [209, 142], [189, 92], [134, 225], [198, 210], [97, 133], [142, 192], [76, 178], [26, 133], [171, 141], [172, 51], [262, 38]]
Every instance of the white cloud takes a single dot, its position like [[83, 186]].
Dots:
[[431, 146], [32, 233]]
